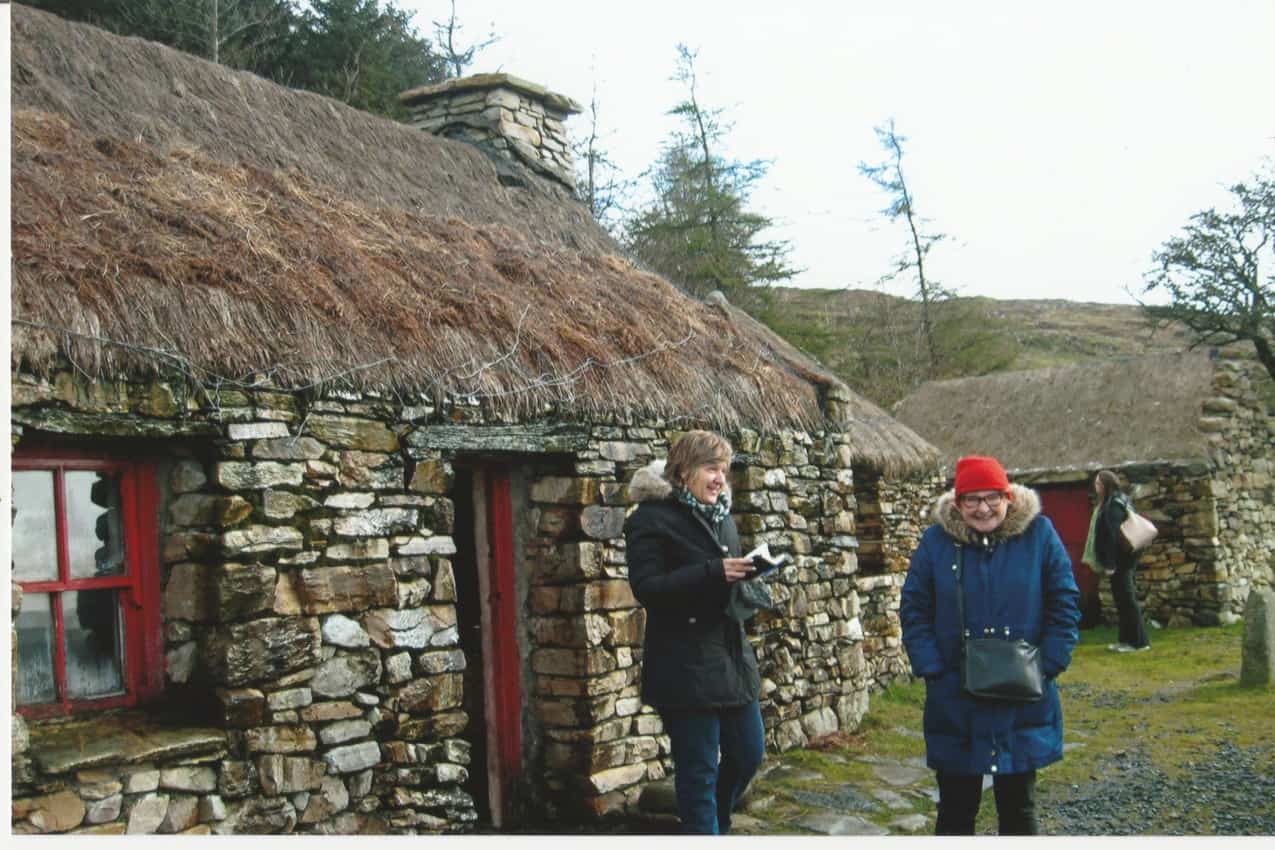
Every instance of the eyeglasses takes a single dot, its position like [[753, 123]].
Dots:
[[970, 501]]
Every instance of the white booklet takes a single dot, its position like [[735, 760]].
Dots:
[[764, 562]]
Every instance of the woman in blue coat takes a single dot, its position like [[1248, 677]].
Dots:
[[1018, 584]]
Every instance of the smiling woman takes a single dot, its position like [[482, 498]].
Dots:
[[698, 668]]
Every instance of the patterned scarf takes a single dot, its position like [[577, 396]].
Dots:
[[714, 513]]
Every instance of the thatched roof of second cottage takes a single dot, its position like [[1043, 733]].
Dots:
[[170, 213], [1131, 410]]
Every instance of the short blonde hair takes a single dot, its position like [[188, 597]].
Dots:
[[693, 450]]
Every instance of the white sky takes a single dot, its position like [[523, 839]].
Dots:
[[1058, 145]]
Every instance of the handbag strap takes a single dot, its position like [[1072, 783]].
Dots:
[[960, 591]]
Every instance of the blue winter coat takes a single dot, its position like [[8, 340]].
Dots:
[[1018, 582]]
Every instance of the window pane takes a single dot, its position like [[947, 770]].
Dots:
[[35, 650], [94, 532], [35, 536], [93, 643]]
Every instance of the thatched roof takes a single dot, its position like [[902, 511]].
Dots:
[[170, 214], [1133, 410]]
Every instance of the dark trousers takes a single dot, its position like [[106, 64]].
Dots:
[[1128, 612], [707, 788], [960, 795]]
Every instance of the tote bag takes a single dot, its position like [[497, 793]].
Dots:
[[1136, 532]]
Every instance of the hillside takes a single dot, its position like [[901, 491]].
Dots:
[[868, 338]]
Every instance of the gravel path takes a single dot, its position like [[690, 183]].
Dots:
[[1233, 793]]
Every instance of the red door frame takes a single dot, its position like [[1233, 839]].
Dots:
[[502, 674]]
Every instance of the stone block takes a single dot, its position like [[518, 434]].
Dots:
[[188, 778], [260, 538], [1257, 661], [282, 774], [242, 590], [57, 812], [375, 522], [433, 476], [188, 595], [353, 433], [325, 590], [430, 694], [291, 448], [240, 653], [147, 814], [431, 626], [353, 758], [342, 675], [248, 475], [602, 523], [296, 738]]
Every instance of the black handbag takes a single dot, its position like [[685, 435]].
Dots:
[[993, 667]]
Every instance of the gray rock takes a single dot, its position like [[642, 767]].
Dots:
[[182, 814], [187, 778], [354, 757], [257, 430], [147, 814], [1257, 662], [245, 475], [375, 522], [899, 774], [104, 810], [828, 823], [342, 675], [290, 448], [340, 630], [344, 730], [911, 823]]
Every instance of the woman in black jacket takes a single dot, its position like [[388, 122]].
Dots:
[[698, 669], [1112, 509]]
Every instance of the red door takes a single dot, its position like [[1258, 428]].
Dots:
[[1069, 509], [502, 662]]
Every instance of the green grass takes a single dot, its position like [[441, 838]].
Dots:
[[1173, 704]]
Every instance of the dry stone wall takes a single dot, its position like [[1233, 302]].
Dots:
[[892, 512], [310, 613], [1216, 518]]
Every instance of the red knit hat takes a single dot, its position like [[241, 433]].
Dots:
[[975, 472]]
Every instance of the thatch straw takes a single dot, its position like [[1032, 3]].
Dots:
[[1102, 414], [170, 214]]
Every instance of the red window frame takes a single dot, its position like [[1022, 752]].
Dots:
[[138, 586]]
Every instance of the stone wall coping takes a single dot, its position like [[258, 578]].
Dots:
[[479, 82], [114, 739]]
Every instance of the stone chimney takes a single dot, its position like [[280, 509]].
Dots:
[[507, 117]]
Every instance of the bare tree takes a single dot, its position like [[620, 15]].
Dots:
[[1213, 272], [889, 177], [457, 58], [600, 182], [231, 32]]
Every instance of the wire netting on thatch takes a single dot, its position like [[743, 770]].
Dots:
[[173, 214], [233, 271], [1101, 414]]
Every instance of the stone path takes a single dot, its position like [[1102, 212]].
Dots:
[[824, 805]]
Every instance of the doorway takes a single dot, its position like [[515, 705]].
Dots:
[[1068, 508], [487, 616]]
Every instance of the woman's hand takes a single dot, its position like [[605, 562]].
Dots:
[[737, 568]]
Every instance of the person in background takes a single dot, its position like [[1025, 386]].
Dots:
[[698, 669], [1018, 583], [1104, 553]]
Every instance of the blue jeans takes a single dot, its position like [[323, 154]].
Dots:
[[706, 788]]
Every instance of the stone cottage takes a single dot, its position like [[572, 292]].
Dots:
[[320, 431], [1193, 435]]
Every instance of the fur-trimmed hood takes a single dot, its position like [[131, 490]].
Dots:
[[1023, 508], [650, 485]]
